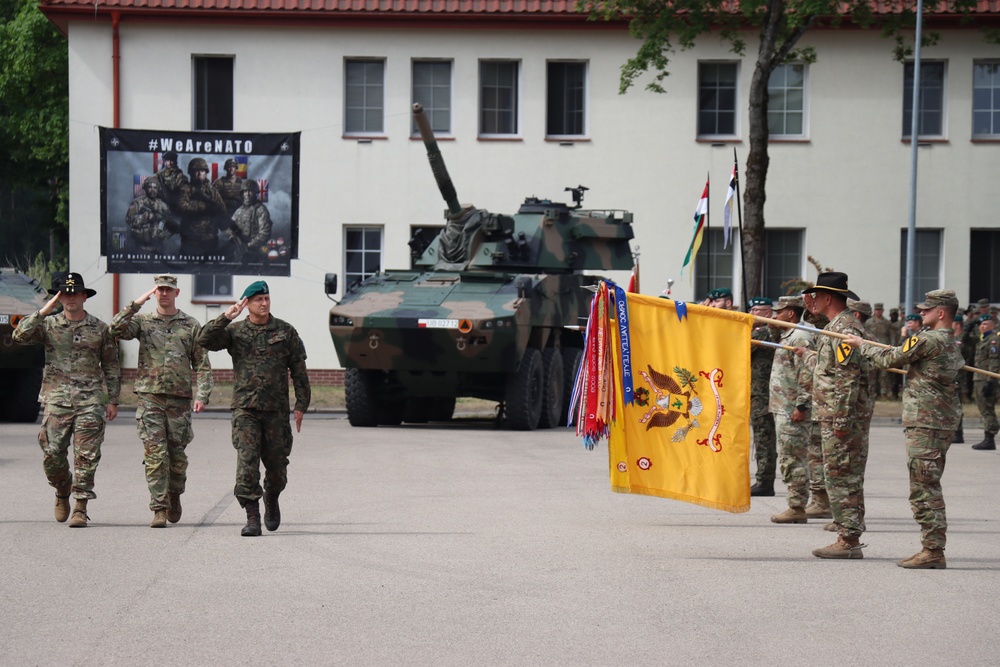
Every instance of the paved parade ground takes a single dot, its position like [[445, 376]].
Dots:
[[462, 544]]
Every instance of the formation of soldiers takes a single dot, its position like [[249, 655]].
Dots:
[[818, 363], [82, 384]]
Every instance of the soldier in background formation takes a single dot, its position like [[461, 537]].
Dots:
[[957, 328], [264, 350], [987, 359], [80, 389], [168, 353], [761, 419], [878, 329], [931, 410]]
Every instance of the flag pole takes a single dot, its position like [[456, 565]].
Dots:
[[739, 218], [779, 346], [708, 224]]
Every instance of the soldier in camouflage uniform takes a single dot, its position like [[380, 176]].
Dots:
[[761, 419], [230, 188], [149, 219], [251, 225], [80, 389], [168, 353], [931, 412], [987, 359], [877, 328], [200, 205], [841, 403], [171, 181], [264, 350]]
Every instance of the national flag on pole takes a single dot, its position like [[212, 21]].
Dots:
[[700, 218], [727, 210], [633, 280], [686, 434]]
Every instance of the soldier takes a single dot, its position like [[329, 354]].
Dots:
[[168, 352], [171, 180], [914, 323], [861, 309], [931, 412], [969, 342], [199, 205], [723, 299], [957, 329], [149, 219], [264, 349], [80, 389], [761, 419], [251, 225], [840, 401], [987, 359], [895, 379], [877, 328], [230, 188]]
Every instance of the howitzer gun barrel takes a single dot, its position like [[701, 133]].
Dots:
[[440, 171]]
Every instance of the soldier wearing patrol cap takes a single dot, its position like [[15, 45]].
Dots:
[[761, 419], [264, 350], [168, 353], [987, 359], [879, 330]]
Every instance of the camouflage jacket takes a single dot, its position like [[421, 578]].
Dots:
[[761, 360], [987, 355], [841, 379], [251, 229], [231, 192], [879, 329], [81, 359], [149, 221], [791, 376], [199, 205], [263, 355], [168, 351], [171, 181], [930, 398]]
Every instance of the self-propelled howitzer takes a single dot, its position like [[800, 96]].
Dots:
[[490, 309]]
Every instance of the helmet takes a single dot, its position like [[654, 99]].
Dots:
[[150, 182], [231, 161], [197, 164], [170, 155], [252, 186]]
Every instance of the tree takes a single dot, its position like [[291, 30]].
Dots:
[[780, 25], [34, 136]]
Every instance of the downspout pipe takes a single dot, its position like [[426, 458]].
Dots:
[[116, 117]]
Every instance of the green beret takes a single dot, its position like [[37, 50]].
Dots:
[[761, 301], [253, 289], [723, 293], [986, 318], [914, 318]]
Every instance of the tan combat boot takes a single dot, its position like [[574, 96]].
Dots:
[[62, 504], [174, 513], [80, 517], [927, 559], [159, 519], [844, 547], [819, 506], [790, 515]]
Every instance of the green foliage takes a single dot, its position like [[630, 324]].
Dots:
[[40, 268]]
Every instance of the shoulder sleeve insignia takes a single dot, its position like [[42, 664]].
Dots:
[[844, 351], [910, 343]]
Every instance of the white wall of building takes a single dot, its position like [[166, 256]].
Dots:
[[847, 185]]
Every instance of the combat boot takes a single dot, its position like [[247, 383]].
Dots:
[[987, 444], [174, 513], [927, 559], [252, 529], [819, 506], [832, 527], [80, 517], [762, 489], [159, 519], [958, 438], [790, 515], [844, 547], [272, 512], [62, 504]]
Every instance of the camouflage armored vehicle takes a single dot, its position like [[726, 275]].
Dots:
[[21, 366], [490, 308]]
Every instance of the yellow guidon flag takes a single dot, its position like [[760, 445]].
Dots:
[[686, 434]]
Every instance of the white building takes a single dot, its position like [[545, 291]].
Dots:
[[525, 99]]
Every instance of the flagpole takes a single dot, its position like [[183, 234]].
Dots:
[[739, 218], [708, 225], [779, 346]]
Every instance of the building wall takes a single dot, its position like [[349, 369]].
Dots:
[[847, 185]]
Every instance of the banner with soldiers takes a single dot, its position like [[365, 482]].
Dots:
[[199, 202]]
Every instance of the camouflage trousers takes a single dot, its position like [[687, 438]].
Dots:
[[260, 436], [85, 426], [926, 449], [765, 446], [883, 382], [814, 459], [793, 446], [987, 408], [164, 425], [844, 461]]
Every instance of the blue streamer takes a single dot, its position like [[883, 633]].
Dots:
[[682, 310], [624, 333]]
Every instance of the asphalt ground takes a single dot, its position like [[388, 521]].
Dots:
[[463, 544]]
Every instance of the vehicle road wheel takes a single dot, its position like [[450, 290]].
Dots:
[[361, 396], [523, 396], [22, 405], [552, 394], [571, 357]]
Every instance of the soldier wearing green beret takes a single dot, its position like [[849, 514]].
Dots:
[[264, 350], [988, 359], [761, 419]]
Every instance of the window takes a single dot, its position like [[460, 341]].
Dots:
[[984, 265], [986, 100], [786, 93], [926, 263], [432, 89], [364, 96], [717, 99], [782, 260], [213, 110], [931, 100], [565, 116], [498, 97], [362, 253], [713, 266]]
